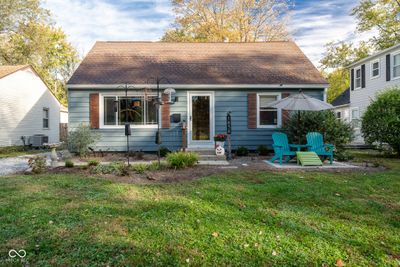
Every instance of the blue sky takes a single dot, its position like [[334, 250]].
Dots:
[[313, 23]]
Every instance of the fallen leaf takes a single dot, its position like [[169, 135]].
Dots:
[[337, 194], [215, 234], [246, 245], [256, 245], [260, 233], [339, 263], [50, 222], [187, 260]]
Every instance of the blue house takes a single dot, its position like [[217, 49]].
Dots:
[[209, 80]]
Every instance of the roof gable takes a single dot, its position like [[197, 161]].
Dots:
[[196, 63], [342, 99]]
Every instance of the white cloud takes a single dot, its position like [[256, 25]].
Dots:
[[320, 22], [87, 21]]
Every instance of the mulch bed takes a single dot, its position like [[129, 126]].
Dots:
[[251, 164]]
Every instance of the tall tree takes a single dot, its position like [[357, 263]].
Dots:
[[232, 20], [380, 15], [334, 65], [28, 36]]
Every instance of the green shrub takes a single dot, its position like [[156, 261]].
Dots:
[[93, 163], [37, 164], [140, 167], [242, 151], [69, 163], [80, 139], [120, 168], [262, 150], [164, 151], [335, 131], [381, 121], [179, 160], [343, 155], [116, 168]]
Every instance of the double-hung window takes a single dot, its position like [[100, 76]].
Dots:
[[45, 118], [136, 110], [268, 117], [375, 69], [396, 66], [358, 78]]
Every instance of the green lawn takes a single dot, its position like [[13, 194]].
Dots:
[[239, 218]]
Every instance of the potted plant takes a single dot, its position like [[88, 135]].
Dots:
[[220, 140]]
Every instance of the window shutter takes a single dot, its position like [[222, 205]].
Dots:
[[285, 113], [252, 110], [388, 67], [363, 76], [94, 111], [352, 79], [165, 112]]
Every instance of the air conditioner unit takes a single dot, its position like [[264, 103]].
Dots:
[[38, 140]]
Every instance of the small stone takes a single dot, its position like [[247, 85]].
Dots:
[[187, 260], [274, 253], [256, 245], [215, 234], [50, 222]]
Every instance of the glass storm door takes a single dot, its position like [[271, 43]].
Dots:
[[201, 132]]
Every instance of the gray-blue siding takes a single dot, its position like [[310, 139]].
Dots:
[[233, 100]]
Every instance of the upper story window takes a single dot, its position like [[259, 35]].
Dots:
[[375, 69], [136, 110], [268, 117], [396, 65], [45, 118], [358, 78]]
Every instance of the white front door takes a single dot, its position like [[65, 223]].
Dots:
[[201, 119]]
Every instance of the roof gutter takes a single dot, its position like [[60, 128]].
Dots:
[[200, 86]]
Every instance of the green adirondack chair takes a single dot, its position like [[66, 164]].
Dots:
[[282, 148], [315, 143]]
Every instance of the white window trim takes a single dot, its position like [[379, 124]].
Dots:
[[392, 70], [279, 125], [101, 115], [355, 78], [372, 68], [48, 118], [351, 116]]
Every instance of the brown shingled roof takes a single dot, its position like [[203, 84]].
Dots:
[[197, 63], [8, 69]]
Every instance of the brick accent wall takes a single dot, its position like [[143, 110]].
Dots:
[[252, 110], [165, 113], [94, 111]]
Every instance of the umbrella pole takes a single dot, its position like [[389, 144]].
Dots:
[[298, 127]]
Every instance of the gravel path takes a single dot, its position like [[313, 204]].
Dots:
[[17, 164]]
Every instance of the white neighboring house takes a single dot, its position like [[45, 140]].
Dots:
[[368, 77], [27, 106]]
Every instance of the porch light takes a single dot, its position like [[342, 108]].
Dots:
[[170, 92]]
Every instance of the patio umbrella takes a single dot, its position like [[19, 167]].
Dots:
[[300, 102]]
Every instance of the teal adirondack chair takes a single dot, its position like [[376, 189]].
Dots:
[[282, 148], [315, 143]]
